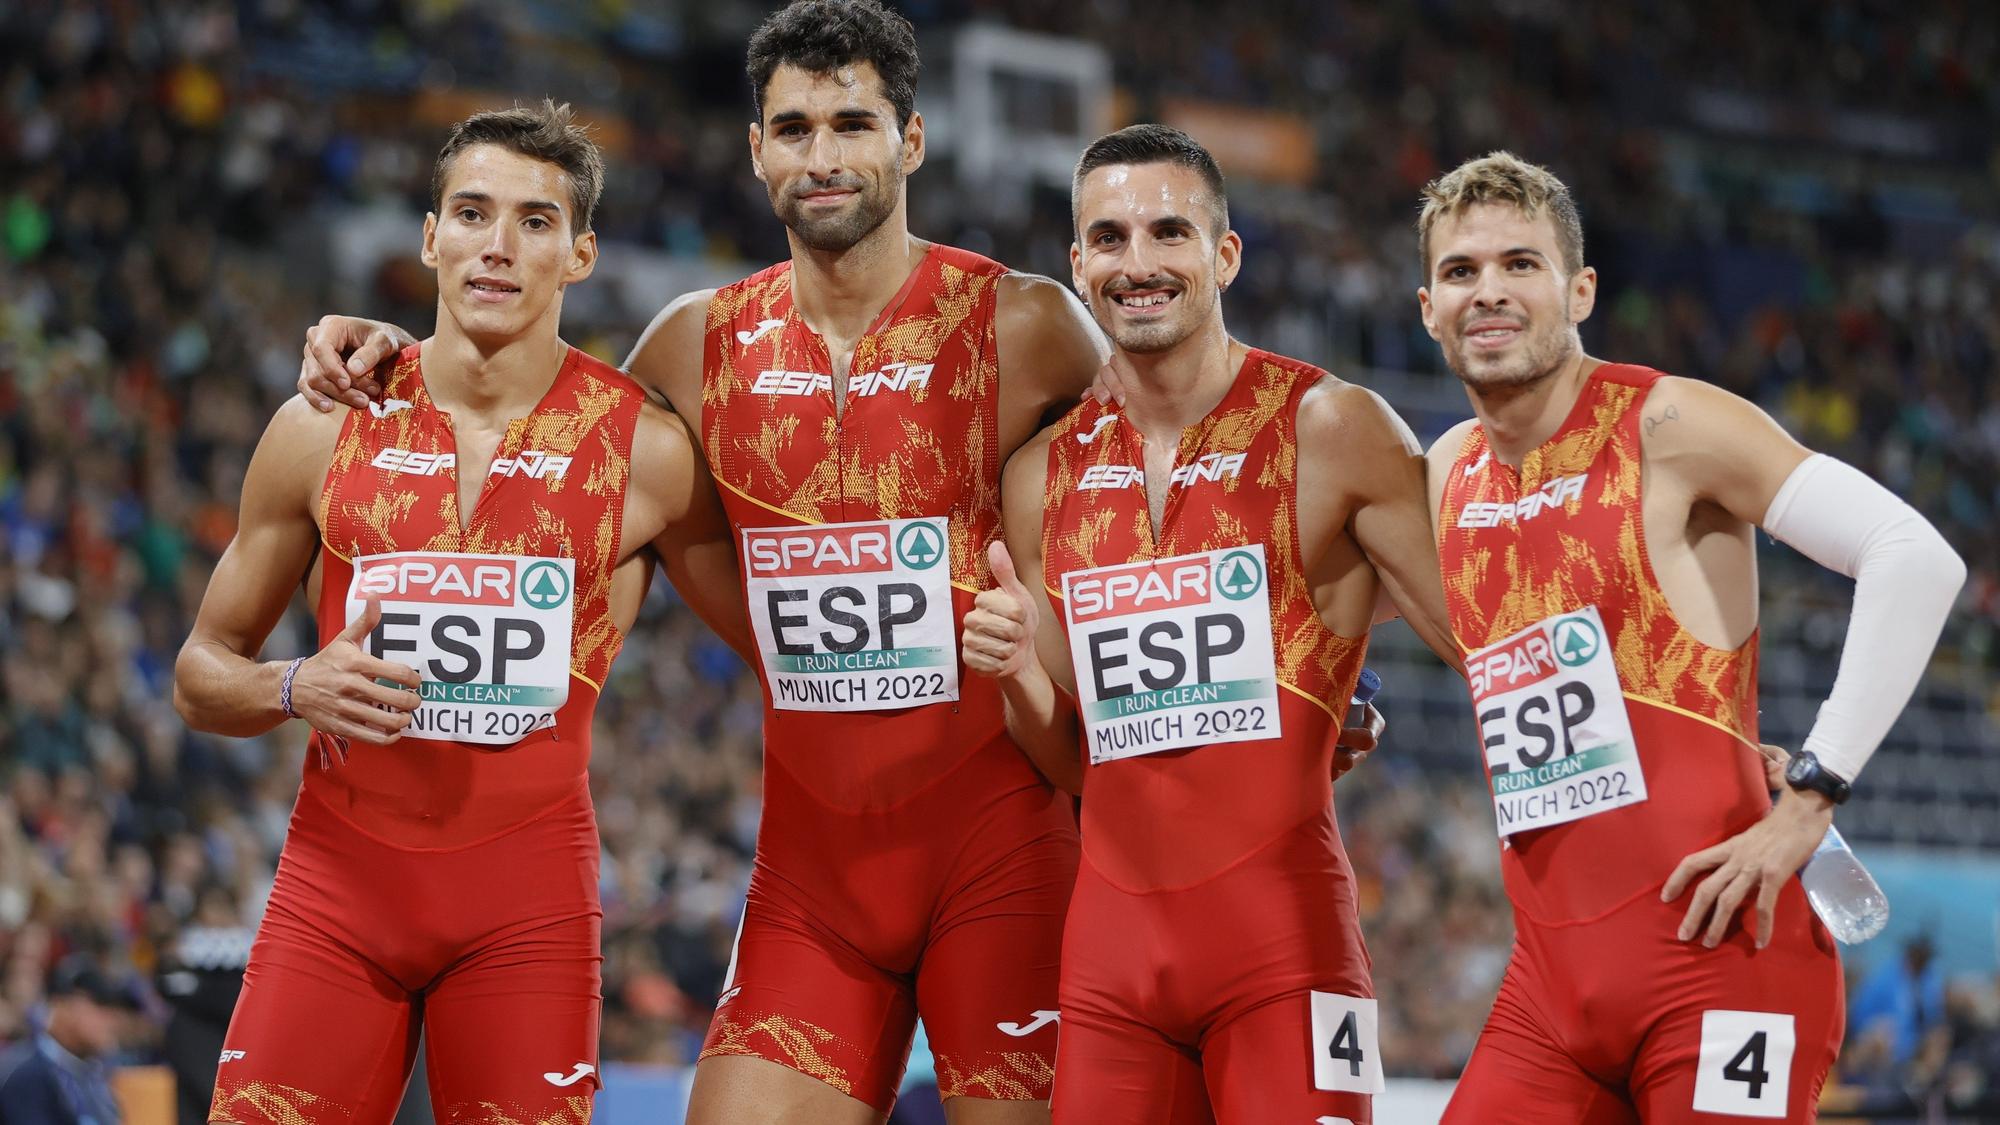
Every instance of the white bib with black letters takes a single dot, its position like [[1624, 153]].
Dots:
[[854, 616], [1172, 653], [1552, 721], [488, 634]]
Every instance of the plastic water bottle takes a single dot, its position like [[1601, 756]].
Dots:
[[1843, 893], [1365, 689]]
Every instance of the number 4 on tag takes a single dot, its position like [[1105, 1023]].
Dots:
[[1344, 1053], [1746, 1063]]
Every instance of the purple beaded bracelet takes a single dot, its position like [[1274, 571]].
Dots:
[[285, 688]]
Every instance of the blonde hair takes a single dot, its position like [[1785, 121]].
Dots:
[[1502, 177]]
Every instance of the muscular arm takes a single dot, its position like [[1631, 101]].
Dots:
[[1049, 352], [1354, 447], [1707, 446], [1711, 447], [699, 551], [689, 532], [1716, 448], [1038, 684], [667, 359], [219, 686]]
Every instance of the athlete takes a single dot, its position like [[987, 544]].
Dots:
[[1595, 524], [856, 404], [1210, 628], [475, 547]]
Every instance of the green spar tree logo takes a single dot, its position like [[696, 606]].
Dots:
[[1239, 575], [919, 546], [1577, 640], [544, 586]]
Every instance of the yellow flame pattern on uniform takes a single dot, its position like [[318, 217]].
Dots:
[[800, 1045], [1014, 1076], [269, 1103]]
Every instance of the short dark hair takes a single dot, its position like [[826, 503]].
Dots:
[[545, 132], [1151, 144], [821, 36]]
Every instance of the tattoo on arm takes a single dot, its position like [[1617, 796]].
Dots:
[[1672, 414]]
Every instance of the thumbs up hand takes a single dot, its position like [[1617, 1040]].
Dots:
[[999, 633], [337, 689]]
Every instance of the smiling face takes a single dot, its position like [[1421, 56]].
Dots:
[[501, 244], [830, 154], [1497, 300], [1148, 261]]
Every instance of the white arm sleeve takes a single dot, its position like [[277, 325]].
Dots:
[[1905, 580]]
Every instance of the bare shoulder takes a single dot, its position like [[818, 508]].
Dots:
[[1675, 399], [289, 466], [303, 436], [1028, 469], [296, 420], [1025, 294], [1716, 445], [661, 444], [1686, 418], [1443, 454], [1337, 418], [667, 359], [1041, 323], [1445, 449], [685, 315]]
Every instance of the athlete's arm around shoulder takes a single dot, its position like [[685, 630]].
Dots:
[[218, 684], [1013, 634], [1354, 447], [1050, 350], [668, 357], [686, 527]]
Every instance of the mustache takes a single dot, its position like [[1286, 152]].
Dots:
[[1156, 282], [1465, 323], [836, 183]]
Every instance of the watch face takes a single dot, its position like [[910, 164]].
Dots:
[[1799, 769]]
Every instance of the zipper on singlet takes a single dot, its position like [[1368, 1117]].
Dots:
[[838, 401]]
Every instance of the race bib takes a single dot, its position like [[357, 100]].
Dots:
[[489, 634], [1558, 743], [1173, 652], [854, 616]]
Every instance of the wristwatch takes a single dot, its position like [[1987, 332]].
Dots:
[[1804, 772]]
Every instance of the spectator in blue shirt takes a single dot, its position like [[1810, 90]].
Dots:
[[1904, 998], [59, 1076]]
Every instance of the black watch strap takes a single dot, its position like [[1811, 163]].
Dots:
[[1804, 772]]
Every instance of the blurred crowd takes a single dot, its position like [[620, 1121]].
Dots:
[[164, 169]]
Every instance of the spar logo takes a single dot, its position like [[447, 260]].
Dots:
[[1577, 640], [919, 546], [1140, 588], [444, 578], [1524, 662], [806, 551], [1238, 575], [545, 586]]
